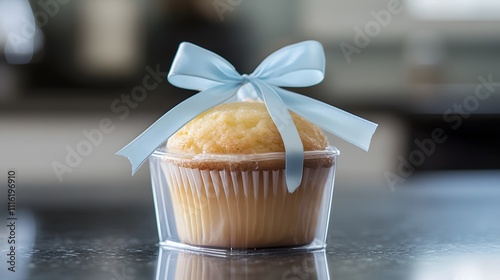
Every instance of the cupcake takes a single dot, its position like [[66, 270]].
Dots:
[[225, 172]]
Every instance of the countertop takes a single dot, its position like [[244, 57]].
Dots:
[[442, 226]]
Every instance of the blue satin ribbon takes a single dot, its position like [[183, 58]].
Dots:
[[297, 65]]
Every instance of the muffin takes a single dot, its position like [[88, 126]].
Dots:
[[225, 172]]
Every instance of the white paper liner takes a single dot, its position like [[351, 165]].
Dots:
[[245, 209]]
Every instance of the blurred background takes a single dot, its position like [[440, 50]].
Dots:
[[79, 79]]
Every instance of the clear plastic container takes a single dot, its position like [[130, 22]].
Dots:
[[239, 204], [173, 265]]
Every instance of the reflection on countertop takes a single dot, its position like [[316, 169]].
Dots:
[[174, 264]]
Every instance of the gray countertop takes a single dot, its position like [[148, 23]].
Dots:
[[437, 226]]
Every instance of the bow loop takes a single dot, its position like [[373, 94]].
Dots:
[[200, 69], [297, 65]]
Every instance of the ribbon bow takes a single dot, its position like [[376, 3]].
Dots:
[[297, 65]]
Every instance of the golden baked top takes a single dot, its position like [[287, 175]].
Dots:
[[240, 128]]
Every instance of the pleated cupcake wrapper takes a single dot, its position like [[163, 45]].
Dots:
[[245, 209]]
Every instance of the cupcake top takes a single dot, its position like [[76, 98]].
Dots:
[[240, 128]]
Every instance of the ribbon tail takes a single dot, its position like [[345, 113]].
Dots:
[[145, 144], [293, 145], [347, 126]]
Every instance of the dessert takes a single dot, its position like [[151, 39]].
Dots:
[[220, 181], [226, 179]]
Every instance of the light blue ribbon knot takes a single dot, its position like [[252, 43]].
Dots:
[[297, 65]]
